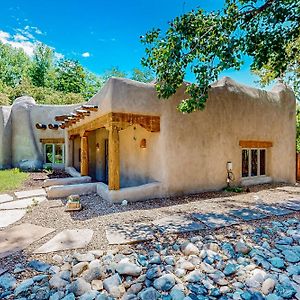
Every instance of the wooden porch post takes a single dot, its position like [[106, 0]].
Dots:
[[113, 159], [84, 163]]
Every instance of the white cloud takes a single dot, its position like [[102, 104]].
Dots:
[[4, 36], [20, 37], [86, 54], [23, 39], [18, 41]]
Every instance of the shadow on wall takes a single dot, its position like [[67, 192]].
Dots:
[[134, 180]]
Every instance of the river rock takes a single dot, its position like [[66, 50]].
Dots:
[[194, 276], [79, 268], [148, 294], [79, 287], [291, 256], [153, 272], [7, 281], [242, 247], [113, 285], [97, 284], [164, 283], [135, 288], [230, 269], [38, 266], [268, 286], [189, 249], [84, 257], [277, 262], [24, 286], [126, 268], [57, 282]]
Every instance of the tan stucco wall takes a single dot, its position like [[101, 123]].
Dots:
[[101, 136], [198, 146], [139, 165], [76, 148]]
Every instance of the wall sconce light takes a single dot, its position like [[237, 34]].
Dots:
[[143, 143], [97, 147]]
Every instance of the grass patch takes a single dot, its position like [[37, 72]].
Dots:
[[12, 179]]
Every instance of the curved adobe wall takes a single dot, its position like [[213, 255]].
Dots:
[[5, 137]]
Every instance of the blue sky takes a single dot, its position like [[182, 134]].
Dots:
[[100, 34]]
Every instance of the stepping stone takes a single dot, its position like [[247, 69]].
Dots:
[[214, 221], [247, 214], [19, 237], [177, 224], [6, 198], [66, 240], [273, 210], [30, 193], [118, 234], [23, 203], [292, 204], [11, 216]]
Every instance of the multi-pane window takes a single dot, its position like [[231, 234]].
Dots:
[[54, 153], [253, 162]]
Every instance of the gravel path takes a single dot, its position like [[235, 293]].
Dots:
[[98, 213]]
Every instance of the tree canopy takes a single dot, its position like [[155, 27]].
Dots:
[[49, 80], [208, 43]]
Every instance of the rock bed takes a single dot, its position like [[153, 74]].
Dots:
[[261, 262]]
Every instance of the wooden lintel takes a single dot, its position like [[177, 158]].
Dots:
[[120, 120], [53, 141], [255, 144]]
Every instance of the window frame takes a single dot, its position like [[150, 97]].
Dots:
[[53, 153], [258, 163]]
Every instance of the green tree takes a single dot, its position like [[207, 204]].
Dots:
[[71, 77], [41, 65], [14, 65], [93, 83], [142, 75], [113, 72], [208, 43]]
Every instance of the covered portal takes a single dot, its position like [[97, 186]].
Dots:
[[101, 133]]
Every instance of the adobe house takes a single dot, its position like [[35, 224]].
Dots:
[[139, 147]]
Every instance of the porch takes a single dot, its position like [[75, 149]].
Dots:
[[93, 148]]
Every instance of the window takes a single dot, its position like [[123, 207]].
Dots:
[[253, 162], [54, 153]]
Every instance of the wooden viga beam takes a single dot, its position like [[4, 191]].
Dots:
[[61, 118], [41, 126], [90, 107], [83, 112], [53, 126]]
